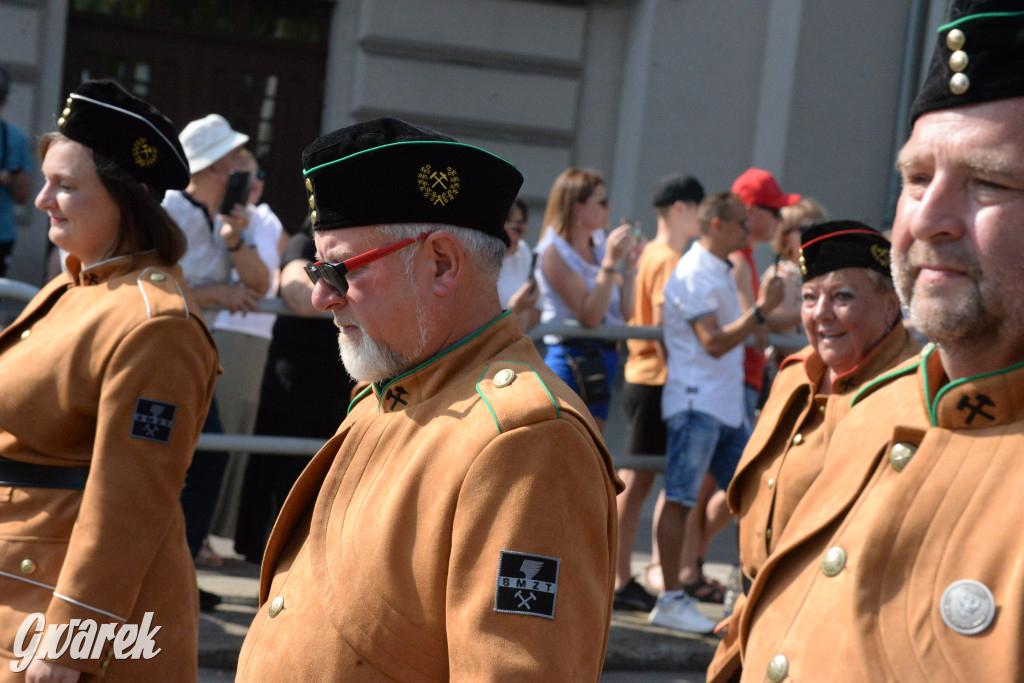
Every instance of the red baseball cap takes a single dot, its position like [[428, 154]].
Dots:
[[757, 187]]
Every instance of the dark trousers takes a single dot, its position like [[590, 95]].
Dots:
[[202, 486]]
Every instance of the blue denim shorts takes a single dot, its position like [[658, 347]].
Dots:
[[697, 444]]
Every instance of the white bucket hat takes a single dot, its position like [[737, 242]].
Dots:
[[208, 139]]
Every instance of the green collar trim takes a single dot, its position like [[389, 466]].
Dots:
[[933, 408], [462, 342], [883, 378], [397, 144], [487, 403], [357, 398], [972, 17]]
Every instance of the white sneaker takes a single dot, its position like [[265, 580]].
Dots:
[[681, 614]]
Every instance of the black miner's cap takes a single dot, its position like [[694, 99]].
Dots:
[[388, 171], [132, 133], [979, 56], [842, 244]]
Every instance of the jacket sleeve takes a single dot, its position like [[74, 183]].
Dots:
[[154, 394], [541, 491]]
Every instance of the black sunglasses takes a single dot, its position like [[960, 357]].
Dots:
[[335, 272], [777, 213]]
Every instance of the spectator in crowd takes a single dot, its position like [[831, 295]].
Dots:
[[764, 201], [585, 280], [852, 317], [105, 379], [14, 181], [702, 401], [517, 287], [903, 560], [429, 537], [785, 320], [675, 199], [305, 393], [243, 340], [215, 245]]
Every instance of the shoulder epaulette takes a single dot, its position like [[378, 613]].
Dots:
[[162, 294]]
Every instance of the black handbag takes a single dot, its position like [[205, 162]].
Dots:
[[586, 361]]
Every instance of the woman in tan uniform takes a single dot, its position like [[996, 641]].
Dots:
[[851, 315], [105, 380]]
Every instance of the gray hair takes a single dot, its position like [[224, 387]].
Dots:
[[484, 250]]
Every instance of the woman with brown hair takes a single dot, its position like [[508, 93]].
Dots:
[[585, 279], [105, 380]]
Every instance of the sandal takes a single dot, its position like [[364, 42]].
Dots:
[[705, 590]]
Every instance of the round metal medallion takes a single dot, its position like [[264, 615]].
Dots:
[[968, 607]]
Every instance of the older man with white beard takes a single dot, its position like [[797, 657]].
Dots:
[[461, 523], [904, 560]]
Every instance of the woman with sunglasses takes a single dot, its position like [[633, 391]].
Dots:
[[585, 279], [105, 381]]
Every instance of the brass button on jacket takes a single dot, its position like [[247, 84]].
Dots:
[[28, 567], [833, 561], [778, 668], [900, 454], [276, 605]]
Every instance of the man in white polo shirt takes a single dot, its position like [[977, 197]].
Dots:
[[703, 397]]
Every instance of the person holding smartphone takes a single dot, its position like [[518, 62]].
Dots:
[[517, 287], [215, 232]]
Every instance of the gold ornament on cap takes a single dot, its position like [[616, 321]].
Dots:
[[143, 153], [880, 254], [440, 187], [803, 264]]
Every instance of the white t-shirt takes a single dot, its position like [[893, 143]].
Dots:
[[206, 260], [263, 233], [701, 284], [515, 270]]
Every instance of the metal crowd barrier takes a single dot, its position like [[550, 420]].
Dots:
[[285, 445]]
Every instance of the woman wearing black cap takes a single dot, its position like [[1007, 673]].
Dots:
[[851, 315], [105, 379]]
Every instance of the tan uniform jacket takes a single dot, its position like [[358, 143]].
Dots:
[[114, 370], [921, 489], [384, 562], [785, 454]]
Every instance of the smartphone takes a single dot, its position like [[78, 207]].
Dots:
[[533, 268], [239, 183]]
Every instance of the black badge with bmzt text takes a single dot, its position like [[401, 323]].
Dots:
[[527, 584], [153, 420]]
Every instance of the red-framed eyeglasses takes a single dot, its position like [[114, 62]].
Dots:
[[334, 272]]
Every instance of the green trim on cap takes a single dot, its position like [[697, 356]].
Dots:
[[972, 17], [409, 142]]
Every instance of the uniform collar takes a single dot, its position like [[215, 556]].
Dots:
[[104, 270], [986, 400], [877, 360], [430, 376]]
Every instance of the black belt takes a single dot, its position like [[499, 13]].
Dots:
[[26, 474]]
